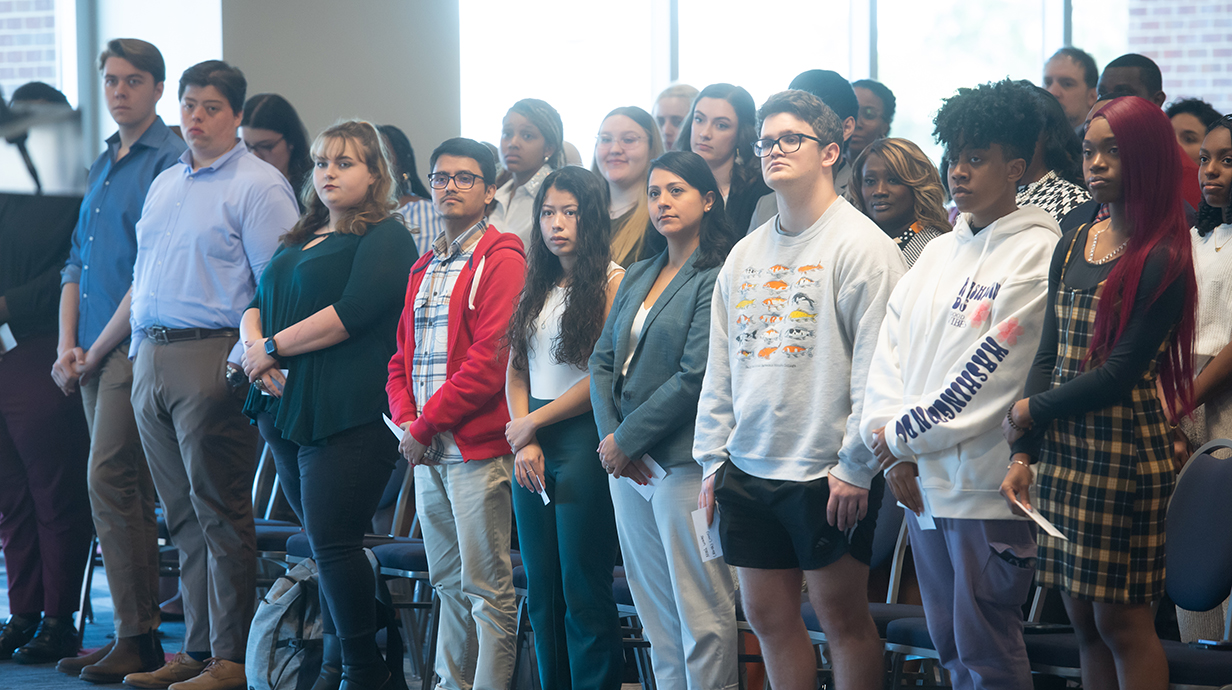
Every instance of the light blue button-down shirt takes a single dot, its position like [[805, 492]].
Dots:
[[203, 240]]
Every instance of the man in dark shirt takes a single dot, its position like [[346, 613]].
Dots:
[[44, 510], [93, 354]]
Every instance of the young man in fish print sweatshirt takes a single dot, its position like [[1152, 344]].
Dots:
[[795, 316], [959, 336]]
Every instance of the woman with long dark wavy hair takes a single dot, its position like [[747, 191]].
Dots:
[[720, 128], [566, 528], [1053, 181], [645, 381], [1120, 319]]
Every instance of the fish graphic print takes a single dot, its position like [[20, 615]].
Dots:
[[774, 314]]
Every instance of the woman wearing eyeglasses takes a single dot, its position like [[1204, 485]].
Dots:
[[628, 140], [273, 132], [721, 127]]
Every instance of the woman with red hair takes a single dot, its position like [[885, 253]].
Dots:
[[1121, 316]]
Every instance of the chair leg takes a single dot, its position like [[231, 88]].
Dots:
[[86, 611], [429, 676]]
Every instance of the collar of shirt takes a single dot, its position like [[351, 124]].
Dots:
[[1044, 181], [236, 151], [150, 138], [531, 188], [444, 249]]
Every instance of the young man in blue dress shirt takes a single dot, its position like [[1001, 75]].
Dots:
[[209, 227], [93, 353]]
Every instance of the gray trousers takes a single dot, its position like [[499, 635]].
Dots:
[[973, 597], [202, 455], [122, 496]]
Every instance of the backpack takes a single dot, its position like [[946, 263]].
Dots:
[[284, 642]]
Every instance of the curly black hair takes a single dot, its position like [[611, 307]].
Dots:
[[994, 113], [1197, 107]]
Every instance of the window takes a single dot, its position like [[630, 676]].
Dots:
[[584, 58], [38, 43]]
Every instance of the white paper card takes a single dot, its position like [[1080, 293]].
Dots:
[[7, 341], [1040, 520], [393, 427], [543, 491], [925, 519], [707, 536], [284, 379], [657, 474]]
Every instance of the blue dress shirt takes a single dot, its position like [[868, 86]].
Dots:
[[115, 193], [203, 240]]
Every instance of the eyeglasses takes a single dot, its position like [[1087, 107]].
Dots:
[[264, 146], [462, 180], [628, 141], [788, 143]]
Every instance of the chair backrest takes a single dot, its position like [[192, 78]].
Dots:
[[1199, 531], [890, 542]]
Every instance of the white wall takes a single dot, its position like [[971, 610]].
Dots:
[[386, 61]]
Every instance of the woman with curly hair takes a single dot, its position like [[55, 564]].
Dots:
[[1053, 181], [319, 335], [566, 527], [720, 128], [899, 189], [1118, 329]]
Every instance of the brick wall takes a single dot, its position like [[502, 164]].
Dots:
[[27, 43], [1191, 40]]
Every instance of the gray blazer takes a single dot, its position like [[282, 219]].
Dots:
[[653, 409]]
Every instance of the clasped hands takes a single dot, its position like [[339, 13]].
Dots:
[[74, 367], [262, 369]]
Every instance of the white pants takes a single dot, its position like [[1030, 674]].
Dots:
[[465, 511], [687, 607]]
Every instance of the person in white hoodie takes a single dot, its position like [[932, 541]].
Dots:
[[959, 337], [794, 321]]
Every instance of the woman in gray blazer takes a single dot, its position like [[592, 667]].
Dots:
[[645, 378]]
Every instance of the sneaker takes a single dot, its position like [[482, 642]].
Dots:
[[181, 667], [219, 674]]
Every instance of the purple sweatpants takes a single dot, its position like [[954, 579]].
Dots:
[[45, 523], [974, 578]]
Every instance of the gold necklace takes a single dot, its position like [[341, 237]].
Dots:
[[1220, 246]]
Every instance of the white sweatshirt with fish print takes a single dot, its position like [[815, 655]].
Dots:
[[794, 322], [960, 334]]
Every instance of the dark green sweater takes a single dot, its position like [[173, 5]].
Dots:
[[364, 279]]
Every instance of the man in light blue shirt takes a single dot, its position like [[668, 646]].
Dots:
[[93, 352], [209, 226]]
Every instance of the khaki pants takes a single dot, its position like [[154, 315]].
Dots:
[[122, 496], [202, 455], [465, 511]]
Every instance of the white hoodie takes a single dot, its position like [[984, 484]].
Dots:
[[960, 333]]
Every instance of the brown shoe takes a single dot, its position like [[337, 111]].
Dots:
[[219, 674], [137, 654], [181, 667], [73, 664]]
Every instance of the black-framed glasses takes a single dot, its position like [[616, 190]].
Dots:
[[264, 146], [462, 180], [788, 143]]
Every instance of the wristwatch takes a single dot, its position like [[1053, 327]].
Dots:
[[271, 347]]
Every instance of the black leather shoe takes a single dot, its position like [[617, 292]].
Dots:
[[16, 632], [55, 639], [363, 667], [331, 664]]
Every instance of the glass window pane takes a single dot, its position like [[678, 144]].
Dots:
[[584, 58], [37, 44], [722, 41], [927, 50]]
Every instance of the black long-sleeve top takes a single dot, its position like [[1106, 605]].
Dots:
[[35, 234], [1113, 380]]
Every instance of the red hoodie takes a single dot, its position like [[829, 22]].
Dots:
[[471, 403]]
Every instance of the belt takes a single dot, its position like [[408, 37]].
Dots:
[[162, 334]]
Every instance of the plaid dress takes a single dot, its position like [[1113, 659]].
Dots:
[[1104, 477]]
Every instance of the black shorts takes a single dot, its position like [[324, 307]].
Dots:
[[773, 524]]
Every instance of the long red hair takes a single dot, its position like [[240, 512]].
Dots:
[[1151, 193]]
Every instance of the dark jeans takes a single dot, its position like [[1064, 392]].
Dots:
[[334, 490]]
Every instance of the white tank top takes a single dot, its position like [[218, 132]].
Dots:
[[550, 379]]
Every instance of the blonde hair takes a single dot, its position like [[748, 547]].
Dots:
[[911, 165], [377, 205], [629, 237]]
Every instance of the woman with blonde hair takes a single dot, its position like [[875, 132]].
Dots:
[[898, 187], [319, 334], [628, 140]]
